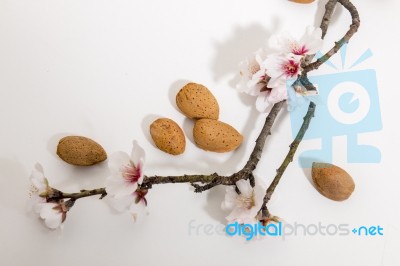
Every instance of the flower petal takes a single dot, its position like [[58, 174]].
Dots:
[[116, 161], [121, 204], [38, 179], [137, 153], [52, 218], [281, 42], [117, 187], [259, 193], [244, 187], [137, 210], [273, 65], [262, 102], [230, 197], [277, 94], [235, 214], [312, 39]]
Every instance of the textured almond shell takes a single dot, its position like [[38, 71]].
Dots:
[[196, 101], [216, 136], [332, 181], [81, 151], [168, 136]]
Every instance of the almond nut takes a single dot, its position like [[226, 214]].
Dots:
[[216, 136], [196, 101], [81, 151], [332, 181], [168, 136]]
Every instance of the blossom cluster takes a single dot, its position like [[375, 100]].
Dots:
[[265, 75]]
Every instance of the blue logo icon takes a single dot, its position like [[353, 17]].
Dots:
[[347, 105]]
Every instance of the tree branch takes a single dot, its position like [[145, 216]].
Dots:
[[302, 79], [326, 19], [289, 157], [355, 24], [149, 181], [84, 193]]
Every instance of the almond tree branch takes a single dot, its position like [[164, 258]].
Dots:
[[355, 24], [329, 7], [326, 19], [84, 193], [289, 157], [149, 181]]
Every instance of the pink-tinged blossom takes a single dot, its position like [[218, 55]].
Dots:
[[123, 186], [52, 212], [126, 172], [280, 67], [252, 75], [310, 43]]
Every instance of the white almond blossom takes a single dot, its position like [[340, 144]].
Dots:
[[281, 67], [52, 212], [252, 76], [269, 97], [122, 186], [243, 207], [310, 43], [126, 172]]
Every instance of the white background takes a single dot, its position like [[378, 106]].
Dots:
[[106, 69]]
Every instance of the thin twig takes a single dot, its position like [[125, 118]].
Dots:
[[149, 181], [289, 157], [326, 19], [84, 193], [355, 24]]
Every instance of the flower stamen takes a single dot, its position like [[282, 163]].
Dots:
[[291, 68], [245, 202], [131, 173]]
